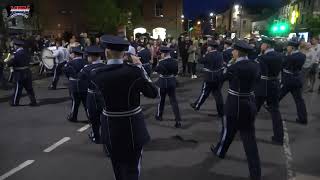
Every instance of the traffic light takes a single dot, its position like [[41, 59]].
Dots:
[[280, 28]]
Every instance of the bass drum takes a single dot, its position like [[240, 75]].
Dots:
[[47, 59]]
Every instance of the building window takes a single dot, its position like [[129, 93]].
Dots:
[[158, 10]]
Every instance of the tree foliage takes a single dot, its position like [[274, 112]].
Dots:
[[313, 24], [107, 15], [2, 25], [102, 15]]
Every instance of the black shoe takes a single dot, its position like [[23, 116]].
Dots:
[[158, 118], [276, 141], [106, 151], [194, 107], [301, 122], [212, 149], [178, 125], [14, 105], [33, 104], [52, 88], [267, 107], [71, 119], [94, 139]]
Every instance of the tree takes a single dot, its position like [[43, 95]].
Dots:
[[103, 16], [313, 24], [2, 23], [108, 15]]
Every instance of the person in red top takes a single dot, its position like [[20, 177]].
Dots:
[[154, 54]]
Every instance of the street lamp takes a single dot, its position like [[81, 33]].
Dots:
[[199, 22], [182, 16], [238, 12], [211, 14]]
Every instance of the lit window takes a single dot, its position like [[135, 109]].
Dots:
[[158, 8]]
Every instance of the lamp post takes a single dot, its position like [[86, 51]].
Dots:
[[189, 33], [212, 14], [238, 12]]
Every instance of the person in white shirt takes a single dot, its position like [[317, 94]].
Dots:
[[316, 48], [60, 56], [310, 66], [73, 43]]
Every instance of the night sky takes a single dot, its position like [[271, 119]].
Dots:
[[194, 8]]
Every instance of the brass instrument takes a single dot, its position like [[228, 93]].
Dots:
[[8, 58]]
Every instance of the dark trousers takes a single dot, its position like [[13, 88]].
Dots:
[[192, 68], [128, 169], [296, 93], [171, 92], [148, 68], [248, 137], [3, 81], [154, 63], [215, 89], [273, 104], [184, 64], [57, 73], [27, 85], [94, 110], [77, 98]]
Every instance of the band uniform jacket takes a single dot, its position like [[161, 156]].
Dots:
[[227, 55], [20, 64], [270, 68], [94, 96], [213, 67], [71, 70], [240, 104], [124, 131], [145, 56], [167, 69], [291, 73]]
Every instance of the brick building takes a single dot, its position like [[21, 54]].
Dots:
[[50, 17], [70, 15], [162, 14]]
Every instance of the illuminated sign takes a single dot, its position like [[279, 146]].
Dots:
[[23, 11]]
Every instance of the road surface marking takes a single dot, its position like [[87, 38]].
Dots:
[[55, 145], [84, 128], [288, 154], [306, 177], [14, 170]]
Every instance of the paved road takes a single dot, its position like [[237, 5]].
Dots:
[[25, 133]]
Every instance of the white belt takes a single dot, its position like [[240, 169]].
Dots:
[[269, 78], [167, 76], [21, 68], [235, 93], [215, 71], [287, 71], [123, 113], [91, 91], [73, 79]]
